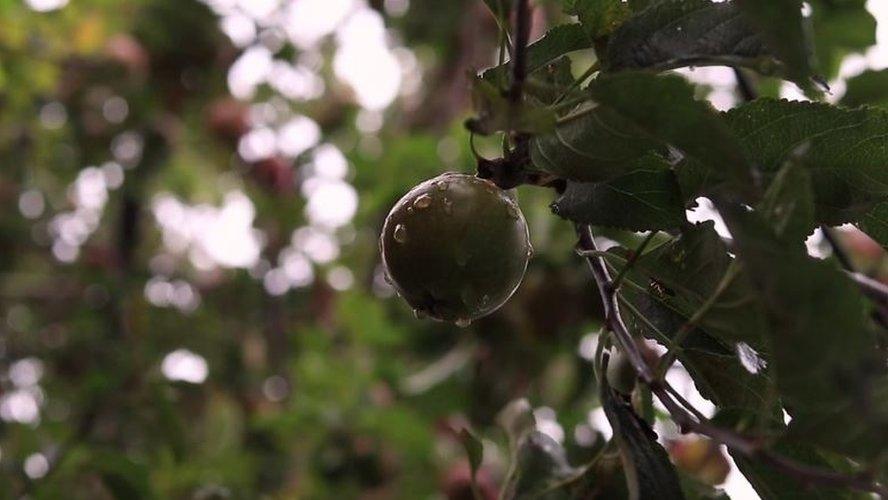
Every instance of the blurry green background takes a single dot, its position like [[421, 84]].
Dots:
[[191, 302]]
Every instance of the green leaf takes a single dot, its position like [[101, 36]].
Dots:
[[555, 43], [516, 419], [789, 204], [639, 5], [840, 27], [553, 82], [474, 450], [665, 108], [540, 466], [786, 32], [771, 484], [690, 271], [633, 114], [845, 154], [867, 88], [649, 473], [669, 284], [598, 17], [123, 477], [814, 313], [875, 223], [646, 198], [497, 114], [676, 33], [593, 145]]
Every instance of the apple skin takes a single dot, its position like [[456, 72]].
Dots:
[[455, 247]]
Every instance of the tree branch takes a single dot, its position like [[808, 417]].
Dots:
[[746, 445], [519, 57]]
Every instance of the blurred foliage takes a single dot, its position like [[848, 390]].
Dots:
[[328, 390], [315, 394]]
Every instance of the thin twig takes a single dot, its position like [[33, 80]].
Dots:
[[596, 66], [746, 445], [632, 258], [519, 59], [745, 86], [688, 326], [612, 315]]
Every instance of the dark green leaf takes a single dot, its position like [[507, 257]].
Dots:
[[774, 485], [840, 27], [598, 17], [875, 223], [632, 115], [639, 5], [669, 284], [649, 473], [555, 43], [122, 476], [814, 313], [694, 268], [541, 464], [594, 145], [786, 32], [789, 203], [646, 198], [676, 33], [867, 88], [665, 108], [496, 113], [845, 155], [553, 82]]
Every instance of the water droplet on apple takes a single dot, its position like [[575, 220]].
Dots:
[[400, 233], [423, 201]]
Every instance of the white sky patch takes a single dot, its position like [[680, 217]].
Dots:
[[308, 21], [297, 268], [340, 278], [332, 204], [239, 28], [298, 135], [259, 10], [31, 204], [183, 365], [364, 61], [26, 372], [21, 406], [817, 246], [598, 420], [329, 162], [212, 236], [46, 5], [298, 82], [720, 78], [736, 485], [250, 70], [318, 245], [705, 211], [678, 377], [71, 229], [36, 466]]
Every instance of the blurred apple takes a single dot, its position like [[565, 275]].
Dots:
[[701, 458]]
